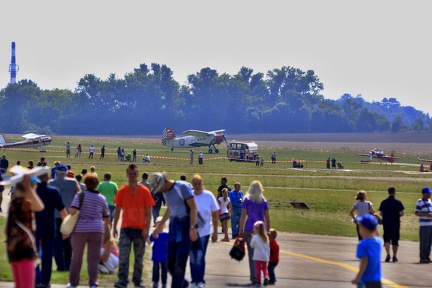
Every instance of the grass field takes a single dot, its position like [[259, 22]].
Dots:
[[328, 193]]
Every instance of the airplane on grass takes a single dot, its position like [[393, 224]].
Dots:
[[193, 138], [424, 160], [380, 155], [31, 140]]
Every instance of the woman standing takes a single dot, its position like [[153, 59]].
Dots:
[[20, 240], [207, 208], [224, 203], [362, 207], [89, 230], [254, 208]]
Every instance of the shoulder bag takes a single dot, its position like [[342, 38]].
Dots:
[[69, 221]]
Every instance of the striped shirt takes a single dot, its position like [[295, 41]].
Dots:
[[424, 206], [93, 209]]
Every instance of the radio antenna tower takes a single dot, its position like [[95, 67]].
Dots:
[[13, 67]]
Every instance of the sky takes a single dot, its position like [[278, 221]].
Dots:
[[379, 49]]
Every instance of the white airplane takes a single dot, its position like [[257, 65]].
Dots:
[[193, 138], [31, 140], [19, 172]]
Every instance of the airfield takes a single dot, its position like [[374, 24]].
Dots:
[[307, 259]]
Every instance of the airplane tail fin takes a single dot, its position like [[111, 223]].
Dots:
[[168, 133], [2, 140]]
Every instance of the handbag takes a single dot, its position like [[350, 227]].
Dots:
[[225, 217], [69, 222], [237, 252]]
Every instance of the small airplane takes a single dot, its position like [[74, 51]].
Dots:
[[424, 160], [31, 140], [380, 155], [193, 138]]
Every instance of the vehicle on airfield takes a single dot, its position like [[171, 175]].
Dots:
[[193, 138], [242, 151], [31, 140], [380, 155]]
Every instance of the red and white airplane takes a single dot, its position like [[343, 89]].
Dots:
[[193, 138], [31, 140], [380, 155]]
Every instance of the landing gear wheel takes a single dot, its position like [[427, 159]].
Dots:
[[210, 150], [216, 150]]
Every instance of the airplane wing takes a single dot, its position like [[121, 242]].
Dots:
[[20, 171], [198, 133], [32, 136]]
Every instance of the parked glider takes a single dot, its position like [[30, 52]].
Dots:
[[193, 138], [31, 140], [380, 155]]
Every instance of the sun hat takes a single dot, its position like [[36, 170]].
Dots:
[[157, 180]]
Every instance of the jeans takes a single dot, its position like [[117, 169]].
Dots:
[[43, 275], [271, 267], [197, 260], [128, 237], [163, 269], [111, 209], [62, 249], [252, 268], [425, 241], [235, 221]]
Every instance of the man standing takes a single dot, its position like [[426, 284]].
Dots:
[[182, 225], [200, 158], [46, 228], [391, 209], [136, 201], [91, 151], [102, 156], [424, 211], [68, 145], [134, 155], [68, 187], [4, 164], [333, 162], [191, 155], [236, 199], [109, 190], [273, 158]]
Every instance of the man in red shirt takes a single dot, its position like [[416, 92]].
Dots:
[[136, 202]]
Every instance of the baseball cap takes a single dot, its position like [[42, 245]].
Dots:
[[62, 167], [426, 190], [157, 180], [368, 220]]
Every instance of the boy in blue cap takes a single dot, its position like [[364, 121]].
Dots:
[[369, 253]]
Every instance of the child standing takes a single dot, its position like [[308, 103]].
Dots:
[[261, 255], [159, 255], [274, 256], [224, 203], [369, 252]]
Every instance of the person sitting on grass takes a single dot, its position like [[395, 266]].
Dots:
[[109, 259]]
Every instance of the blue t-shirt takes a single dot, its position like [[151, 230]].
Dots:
[[159, 250], [371, 248], [175, 202]]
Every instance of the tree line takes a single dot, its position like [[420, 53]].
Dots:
[[148, 99]]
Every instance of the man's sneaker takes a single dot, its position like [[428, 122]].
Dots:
[[139, 285], [387, 258], [200, 285], [424, 261], [155, 284], [395, 259], [266, 281]]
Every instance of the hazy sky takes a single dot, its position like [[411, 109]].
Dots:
[[374, 48]]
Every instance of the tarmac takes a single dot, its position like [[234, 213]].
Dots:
[[305, 261]]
